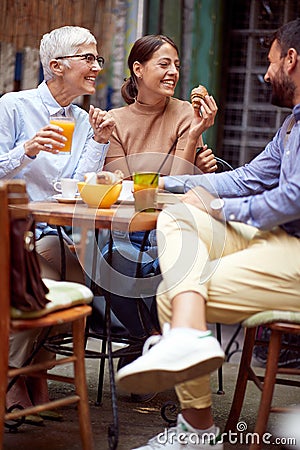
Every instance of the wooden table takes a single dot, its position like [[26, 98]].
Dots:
[[121, 217]]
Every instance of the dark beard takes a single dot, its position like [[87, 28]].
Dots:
[[283, 90]]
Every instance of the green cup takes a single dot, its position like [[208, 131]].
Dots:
[[145, 187]]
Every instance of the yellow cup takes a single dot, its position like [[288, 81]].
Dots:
[[68, 125], [145, 186]]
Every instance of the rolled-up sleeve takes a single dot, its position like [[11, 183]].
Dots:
[[92, 160], [12, 156], [279, 203], [264, 193]]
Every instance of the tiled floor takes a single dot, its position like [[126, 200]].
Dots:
[[140, 421]]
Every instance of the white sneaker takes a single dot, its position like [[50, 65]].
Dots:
[[175, 359], [184, 437]]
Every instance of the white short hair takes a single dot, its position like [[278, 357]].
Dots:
[[62, 42]]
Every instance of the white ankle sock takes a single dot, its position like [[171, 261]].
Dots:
[[211, 430], [191, 331]]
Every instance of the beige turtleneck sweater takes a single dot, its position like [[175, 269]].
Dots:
[[144, 134]]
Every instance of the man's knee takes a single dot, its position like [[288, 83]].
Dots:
[[184, 213]]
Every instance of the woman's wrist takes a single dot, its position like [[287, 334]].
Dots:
[[161, 183]]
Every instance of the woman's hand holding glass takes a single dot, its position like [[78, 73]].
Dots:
[[47, 139]]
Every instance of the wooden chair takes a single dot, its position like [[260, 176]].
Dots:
[[280, 323], [15, 193]]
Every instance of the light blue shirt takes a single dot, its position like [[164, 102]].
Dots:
[[264, 193], [22, 114]]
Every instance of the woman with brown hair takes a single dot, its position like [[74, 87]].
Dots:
[[153, 132], [154, 123]]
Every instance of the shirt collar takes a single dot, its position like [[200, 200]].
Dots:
[[51, 104], [296, 112]]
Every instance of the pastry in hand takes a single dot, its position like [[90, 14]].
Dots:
[[197, 94]]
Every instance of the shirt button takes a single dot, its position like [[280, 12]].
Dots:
[[231, 217], [287, 153]]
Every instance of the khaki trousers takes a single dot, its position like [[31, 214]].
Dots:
[[238, 269]]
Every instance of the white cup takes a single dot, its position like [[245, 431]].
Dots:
[[126, 192], [67, 187]]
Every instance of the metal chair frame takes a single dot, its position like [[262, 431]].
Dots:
[[62, 344]]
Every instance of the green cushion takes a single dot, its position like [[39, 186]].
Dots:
[[62, 295], [266, 317]]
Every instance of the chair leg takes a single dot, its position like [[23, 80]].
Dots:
[[220, 370], [3, 383], [268, 386], [241, 383], [81, 385], [101, 372]]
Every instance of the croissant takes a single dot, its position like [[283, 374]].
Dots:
[[104, 177], [109, 177], [197, 94]]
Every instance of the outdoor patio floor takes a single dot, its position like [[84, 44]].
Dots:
[[141, 421]]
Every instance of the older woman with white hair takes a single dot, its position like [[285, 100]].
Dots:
[[29, 150]]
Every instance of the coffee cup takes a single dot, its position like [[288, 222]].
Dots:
[[67, 187], [126, 192]]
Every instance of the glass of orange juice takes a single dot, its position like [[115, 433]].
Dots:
[[145, 186], [68, 125]]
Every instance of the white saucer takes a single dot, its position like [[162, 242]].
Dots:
[[62, 199]]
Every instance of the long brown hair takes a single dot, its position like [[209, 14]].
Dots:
[[142, 52]]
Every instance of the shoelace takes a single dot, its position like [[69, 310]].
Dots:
[[156, 338]]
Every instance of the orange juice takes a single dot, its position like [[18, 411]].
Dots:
[[68, 125]]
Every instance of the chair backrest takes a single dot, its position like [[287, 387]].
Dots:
[[17, 195], [11, 192], [223, 165]]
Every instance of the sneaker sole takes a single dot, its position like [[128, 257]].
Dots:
[[159, 380]]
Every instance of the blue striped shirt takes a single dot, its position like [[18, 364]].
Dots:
[[264, 193], [22, 114]]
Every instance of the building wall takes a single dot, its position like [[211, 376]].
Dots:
[[248, 120], [7, 67], [23, 23]]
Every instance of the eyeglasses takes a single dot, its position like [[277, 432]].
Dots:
[[89, 57]]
